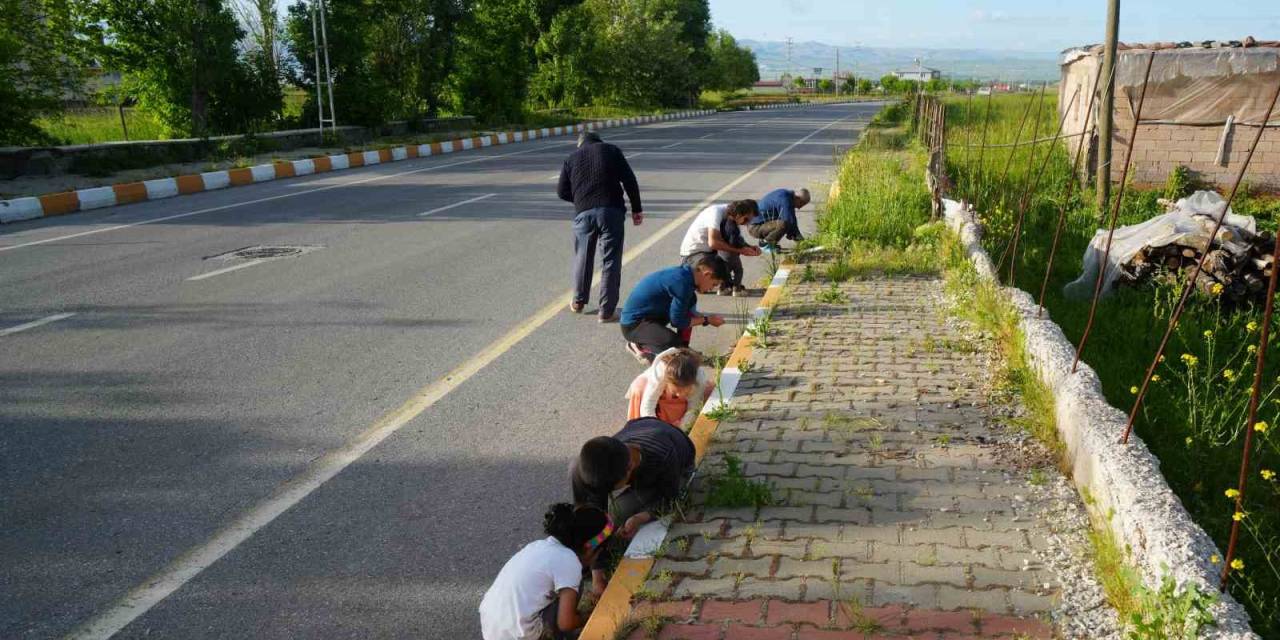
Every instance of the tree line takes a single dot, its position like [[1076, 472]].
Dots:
[[205, 67]]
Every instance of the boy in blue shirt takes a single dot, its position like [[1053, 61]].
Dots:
[[670, 297], [777, 217]]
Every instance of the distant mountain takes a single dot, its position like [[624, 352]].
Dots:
[[980, 64]]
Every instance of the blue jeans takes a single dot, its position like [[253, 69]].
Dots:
[[605, 225]]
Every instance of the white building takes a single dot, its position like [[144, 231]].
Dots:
[[918, 74]]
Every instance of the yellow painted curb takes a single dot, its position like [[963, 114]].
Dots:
[[615, 604]]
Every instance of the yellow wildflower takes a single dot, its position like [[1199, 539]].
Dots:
[[1267, 474], [1190, 360], [1253, 348], [1162, 357], [1261, 427], [1215, 558], [1237, 564], [1188, 441], [1208, 334], [1229, 375], [1232, 493], [1238, 516], [1251, 327], [1155, 378], [1133, 390], [1216, 289]]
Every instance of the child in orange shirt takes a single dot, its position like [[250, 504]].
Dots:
[[665, 388]]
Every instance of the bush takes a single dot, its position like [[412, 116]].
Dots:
[[882, 198]]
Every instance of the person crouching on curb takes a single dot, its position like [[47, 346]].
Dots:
[[670, 297], [649, 460], [716, 230], [777, 218], [535, 596], [666, 388]]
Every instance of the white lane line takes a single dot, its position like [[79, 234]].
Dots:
[[555, 176], [219, 272], [636, 155], [672, 145], [282, 196], [457, 204], [35, 323], [708, 135], [188, 565]]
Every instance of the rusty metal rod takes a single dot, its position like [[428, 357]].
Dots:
[[1115, 216], [982, 150], [1004, 255], [968, 138], [1035, 184], [1071, 190], [1191, 278], [1263, 337], [1017, 136]]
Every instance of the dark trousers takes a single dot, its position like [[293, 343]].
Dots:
[[627, 504], [734, 260], [605, 225], [771, 231], [551, 623], [654, 336]]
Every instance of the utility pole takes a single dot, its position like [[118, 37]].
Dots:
[[835, 76], [323, 81], [789, 56], [1106, 106]]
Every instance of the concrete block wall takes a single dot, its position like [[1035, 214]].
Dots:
[[1162, 147]]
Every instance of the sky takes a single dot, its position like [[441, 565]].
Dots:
[[1029, 25]]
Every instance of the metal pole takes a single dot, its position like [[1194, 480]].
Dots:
[[1195, 273], [328, 72], [1107, 105], [315, 47], [1034, 183], [1004, 193], [1115, 216], [1071, 190], [982, 150]]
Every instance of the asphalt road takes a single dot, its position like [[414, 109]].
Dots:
[[348, 442]]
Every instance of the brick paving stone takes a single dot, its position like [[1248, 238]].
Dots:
[[731, 567], [745, 611], [874, 433], [743, 632], [689, 632], [929, 619], [885, 618], [679, 610], [817, 613]]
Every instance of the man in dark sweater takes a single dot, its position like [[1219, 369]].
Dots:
[[593, 179], [650, 458]]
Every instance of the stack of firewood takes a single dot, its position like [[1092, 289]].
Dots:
[[1237, 268]]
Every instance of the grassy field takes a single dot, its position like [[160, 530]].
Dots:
[[1193, 418]]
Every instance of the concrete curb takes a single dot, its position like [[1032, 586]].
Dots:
[[615, 605], [1129, 492], [55, 204]]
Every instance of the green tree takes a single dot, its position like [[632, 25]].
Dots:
[[181, 59], [567, 60], [825, 85], [732, 66], [649, 63], [865, 85], [42, 58], [850, 85], [495, 59], [890, 83], [693, 18], [799, 82], [389, 58], [935, 85]]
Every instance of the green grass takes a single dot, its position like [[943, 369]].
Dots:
[[882, 198], [1193, 416], [730, 489], [102, 124]]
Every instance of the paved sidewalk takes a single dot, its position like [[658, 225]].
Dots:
[[900, 509]]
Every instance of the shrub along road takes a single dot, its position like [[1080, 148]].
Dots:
[[347, 441]]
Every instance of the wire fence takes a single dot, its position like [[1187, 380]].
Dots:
[[930, 122]]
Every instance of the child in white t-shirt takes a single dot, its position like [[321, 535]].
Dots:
[[535, 596]]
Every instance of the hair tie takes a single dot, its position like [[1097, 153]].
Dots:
[[603, 535]]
